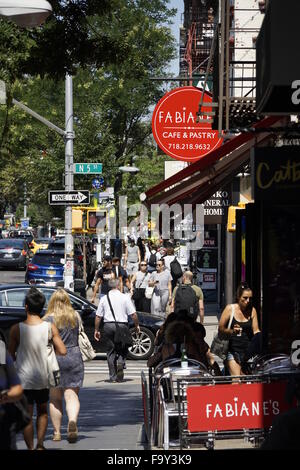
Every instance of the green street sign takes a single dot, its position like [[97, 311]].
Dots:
[[87, 168]]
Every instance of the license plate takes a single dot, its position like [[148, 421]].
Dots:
[[8, 255], [51, 272]]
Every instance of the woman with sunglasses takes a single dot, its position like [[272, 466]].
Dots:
[[139, 282], [161, 280], [244, 325]]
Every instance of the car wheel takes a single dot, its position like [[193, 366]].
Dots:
[[143, 344]]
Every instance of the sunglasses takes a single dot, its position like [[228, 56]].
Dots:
[[159, 265], [143, 264]]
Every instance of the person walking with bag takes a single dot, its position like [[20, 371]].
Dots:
[[28, 345], [11, 391], [61, 313], [242, 318], [188, 296], [114, 310], [172, 264], [152, 257], [139, 283], [161, 280]]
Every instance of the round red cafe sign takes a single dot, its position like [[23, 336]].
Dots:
[[175, 128]]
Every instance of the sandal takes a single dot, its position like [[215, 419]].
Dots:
[[72, 432], [56, 436], [40, 447]]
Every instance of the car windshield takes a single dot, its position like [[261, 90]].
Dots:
[[45, 259], [57, 245], [42, 240], [5, 243]]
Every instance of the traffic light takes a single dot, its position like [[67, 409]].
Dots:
[[76, 219], [231, 219], [96, 219]]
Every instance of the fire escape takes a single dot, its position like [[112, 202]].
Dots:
[[196, 37], [232, 63]]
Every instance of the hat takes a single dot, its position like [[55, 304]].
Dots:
[[106, 258]]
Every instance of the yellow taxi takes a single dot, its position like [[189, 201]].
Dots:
[[39, 244]]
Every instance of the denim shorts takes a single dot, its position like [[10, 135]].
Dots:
[[237, 357], [230, 356]]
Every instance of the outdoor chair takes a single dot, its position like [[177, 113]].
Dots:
[[166, 393]]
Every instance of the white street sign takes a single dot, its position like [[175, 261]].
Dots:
[[69, 197]]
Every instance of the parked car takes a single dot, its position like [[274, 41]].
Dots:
[[39, 244], [12, 310], [59, 245], [47, 267], [14, 253]]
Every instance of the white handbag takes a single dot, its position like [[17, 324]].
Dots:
[[149, 292], [52, 364], [86, 349]]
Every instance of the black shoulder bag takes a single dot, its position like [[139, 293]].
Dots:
[[122, 336], [139, 292]]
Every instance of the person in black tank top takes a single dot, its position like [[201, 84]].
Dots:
[[243, 326]]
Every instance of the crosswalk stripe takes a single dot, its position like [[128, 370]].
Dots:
[[132, 371], [103, 367]]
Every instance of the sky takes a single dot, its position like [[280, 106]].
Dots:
[[179, 4]]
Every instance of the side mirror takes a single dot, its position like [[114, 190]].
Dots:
[[86, 310]]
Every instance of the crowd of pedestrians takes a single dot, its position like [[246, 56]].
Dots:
[[150, 280]]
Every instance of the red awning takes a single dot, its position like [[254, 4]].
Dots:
[[197, 182]]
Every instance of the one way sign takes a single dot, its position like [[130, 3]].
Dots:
[[63, 198]]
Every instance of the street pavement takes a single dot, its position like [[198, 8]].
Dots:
[[111, 417]]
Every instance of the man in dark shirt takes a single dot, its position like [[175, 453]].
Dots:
[[104, 275], [121, 274]]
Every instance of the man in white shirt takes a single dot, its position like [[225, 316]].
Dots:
[[122, 308]]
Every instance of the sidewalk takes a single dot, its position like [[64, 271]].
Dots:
[[110, 417]]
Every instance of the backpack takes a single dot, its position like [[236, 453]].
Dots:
[[152, 260], [175, 269], [186, 299]]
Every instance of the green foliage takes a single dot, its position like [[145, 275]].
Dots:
[[34, 213], [112, 98]]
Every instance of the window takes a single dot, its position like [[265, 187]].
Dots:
[[46, 259], [16, 298], [7, 243], [76, 304], [2, 299], [47, 293]]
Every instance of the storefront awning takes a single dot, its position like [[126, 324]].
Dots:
[[199, 181]]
